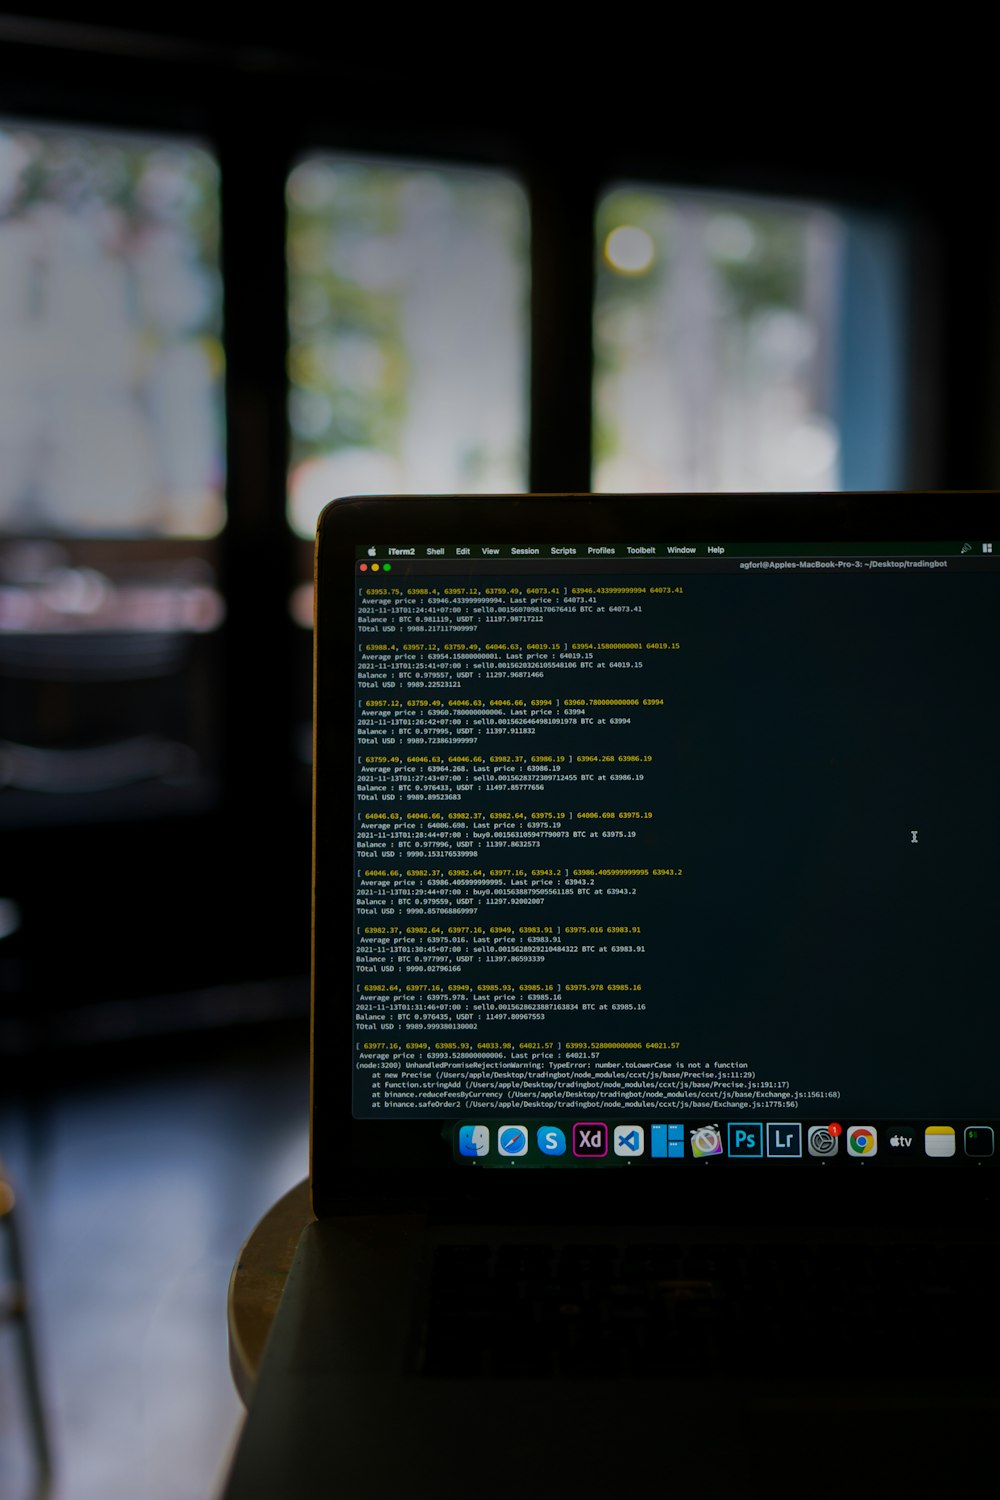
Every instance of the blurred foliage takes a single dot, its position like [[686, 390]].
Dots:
[[133, 184], [112, 329], [353, 240], [753, 253], [334, 209], [771, 275], [756, 253]]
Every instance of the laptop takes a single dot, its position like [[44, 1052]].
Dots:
[[655, 1026]]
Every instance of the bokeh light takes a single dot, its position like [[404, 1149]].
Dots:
[[629, 249]]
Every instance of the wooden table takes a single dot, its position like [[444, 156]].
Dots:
[[258, 1280]]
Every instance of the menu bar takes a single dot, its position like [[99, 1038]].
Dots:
[[678, 551]]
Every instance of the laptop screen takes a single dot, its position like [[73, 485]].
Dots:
[[672, 850]]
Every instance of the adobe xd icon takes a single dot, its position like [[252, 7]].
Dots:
[[590, 1138]]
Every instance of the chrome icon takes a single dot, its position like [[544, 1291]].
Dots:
[[862, 1140]]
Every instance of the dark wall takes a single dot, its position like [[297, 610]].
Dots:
[[159, 905]]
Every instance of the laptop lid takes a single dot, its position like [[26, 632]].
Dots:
[[656, 855]]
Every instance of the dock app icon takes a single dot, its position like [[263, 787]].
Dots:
[[784, 1140], [512, 1140], [939, 1140], [706, 1140], [746, 1139], [629, 1140], [862, 1140], [822, 1141], [551, 1141], [474, 1140], [590, 1138]]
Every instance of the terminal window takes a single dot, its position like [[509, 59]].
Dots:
[[688, 832]]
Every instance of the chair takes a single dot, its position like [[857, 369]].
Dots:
[[15, 1308]]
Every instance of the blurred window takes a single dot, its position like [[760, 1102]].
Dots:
[[110, 352], [745, 344], [111, 470], [408, 331]]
